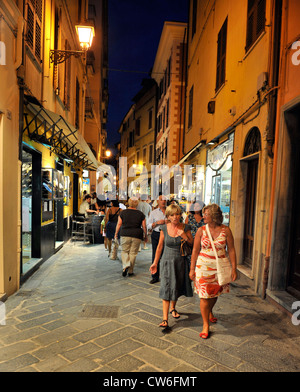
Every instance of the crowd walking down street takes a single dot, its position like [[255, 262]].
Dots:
[[77, 313]]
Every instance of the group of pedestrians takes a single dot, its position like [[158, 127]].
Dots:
[[174, 270]]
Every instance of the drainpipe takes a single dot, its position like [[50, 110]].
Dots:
[[186, 80], [183, 91], [271, 130]]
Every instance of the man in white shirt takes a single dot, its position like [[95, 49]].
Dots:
[[85, 206], [156, 219], [145, 208]]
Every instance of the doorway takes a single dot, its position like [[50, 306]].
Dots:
[[250, 208], [251, 159], [31, 208], [293, 274]]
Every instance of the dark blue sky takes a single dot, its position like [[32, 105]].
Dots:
[[135, 27]]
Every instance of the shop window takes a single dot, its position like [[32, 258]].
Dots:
[[26, 205], [218, 177], [255, 21], [221, 56]]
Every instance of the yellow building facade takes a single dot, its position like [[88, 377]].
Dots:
[[11, 29], [227, 116], [43, 124]]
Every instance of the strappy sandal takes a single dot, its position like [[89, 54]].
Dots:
[[164, 324], [174, 310], [204, 335]]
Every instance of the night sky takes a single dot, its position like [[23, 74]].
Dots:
[[135, 27]]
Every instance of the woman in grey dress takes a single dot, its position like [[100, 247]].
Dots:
[[174, 273]]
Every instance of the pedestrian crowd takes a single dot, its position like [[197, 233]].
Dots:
[[187, 247]]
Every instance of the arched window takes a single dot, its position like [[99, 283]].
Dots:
[[253, 142]]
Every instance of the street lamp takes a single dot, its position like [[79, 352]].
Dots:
[[108, 153], [85, 34]]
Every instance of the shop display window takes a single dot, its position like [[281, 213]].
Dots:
[[66, 190], [53, 185], [218, 177]]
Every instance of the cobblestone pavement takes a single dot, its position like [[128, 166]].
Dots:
[[78, 314]]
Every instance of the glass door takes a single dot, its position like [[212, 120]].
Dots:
[[26, 207]]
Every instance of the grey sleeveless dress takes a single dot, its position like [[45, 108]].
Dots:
[[174, 271]]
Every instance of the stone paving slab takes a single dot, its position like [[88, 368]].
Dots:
[[46, 331]]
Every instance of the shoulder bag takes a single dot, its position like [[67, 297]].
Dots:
[[223, 266], [185, 248]]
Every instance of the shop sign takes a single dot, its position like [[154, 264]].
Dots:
[[217, 157], [2, 53], [296, 55]]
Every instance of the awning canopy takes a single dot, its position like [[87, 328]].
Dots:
[[52, 130]]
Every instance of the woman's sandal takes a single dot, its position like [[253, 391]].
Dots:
[[174, 310], [164, 324], [213, 320], [204, 335]]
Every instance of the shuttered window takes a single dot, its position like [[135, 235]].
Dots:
[[194, 18], [221, 56], [34, 26], [256, 20], [191, 99]]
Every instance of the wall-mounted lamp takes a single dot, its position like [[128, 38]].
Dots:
[[85, 34], [213, 142]]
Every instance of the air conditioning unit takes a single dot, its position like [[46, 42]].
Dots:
[[211, 107]]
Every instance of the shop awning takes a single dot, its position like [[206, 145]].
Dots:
[[190, 153], [52, 130]]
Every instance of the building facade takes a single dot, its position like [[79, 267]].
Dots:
[[229, 93], [47, 75], [11, 30], [282, 271], [169, 73]]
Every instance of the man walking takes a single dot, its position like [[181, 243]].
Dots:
[[156, 219]]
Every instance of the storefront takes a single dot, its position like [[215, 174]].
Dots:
[[54, 156], [218, 176]]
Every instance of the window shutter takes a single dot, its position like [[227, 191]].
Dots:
[[221, 56], [255, 21], [30, 26]]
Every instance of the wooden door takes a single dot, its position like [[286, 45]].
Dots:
[[250, 208]]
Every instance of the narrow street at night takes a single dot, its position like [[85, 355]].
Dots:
[[77, 313], [172, 122]]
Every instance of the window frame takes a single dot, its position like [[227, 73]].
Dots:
[[254, 19], [221, 55]]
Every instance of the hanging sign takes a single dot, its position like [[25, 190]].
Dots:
[[217, 157]]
